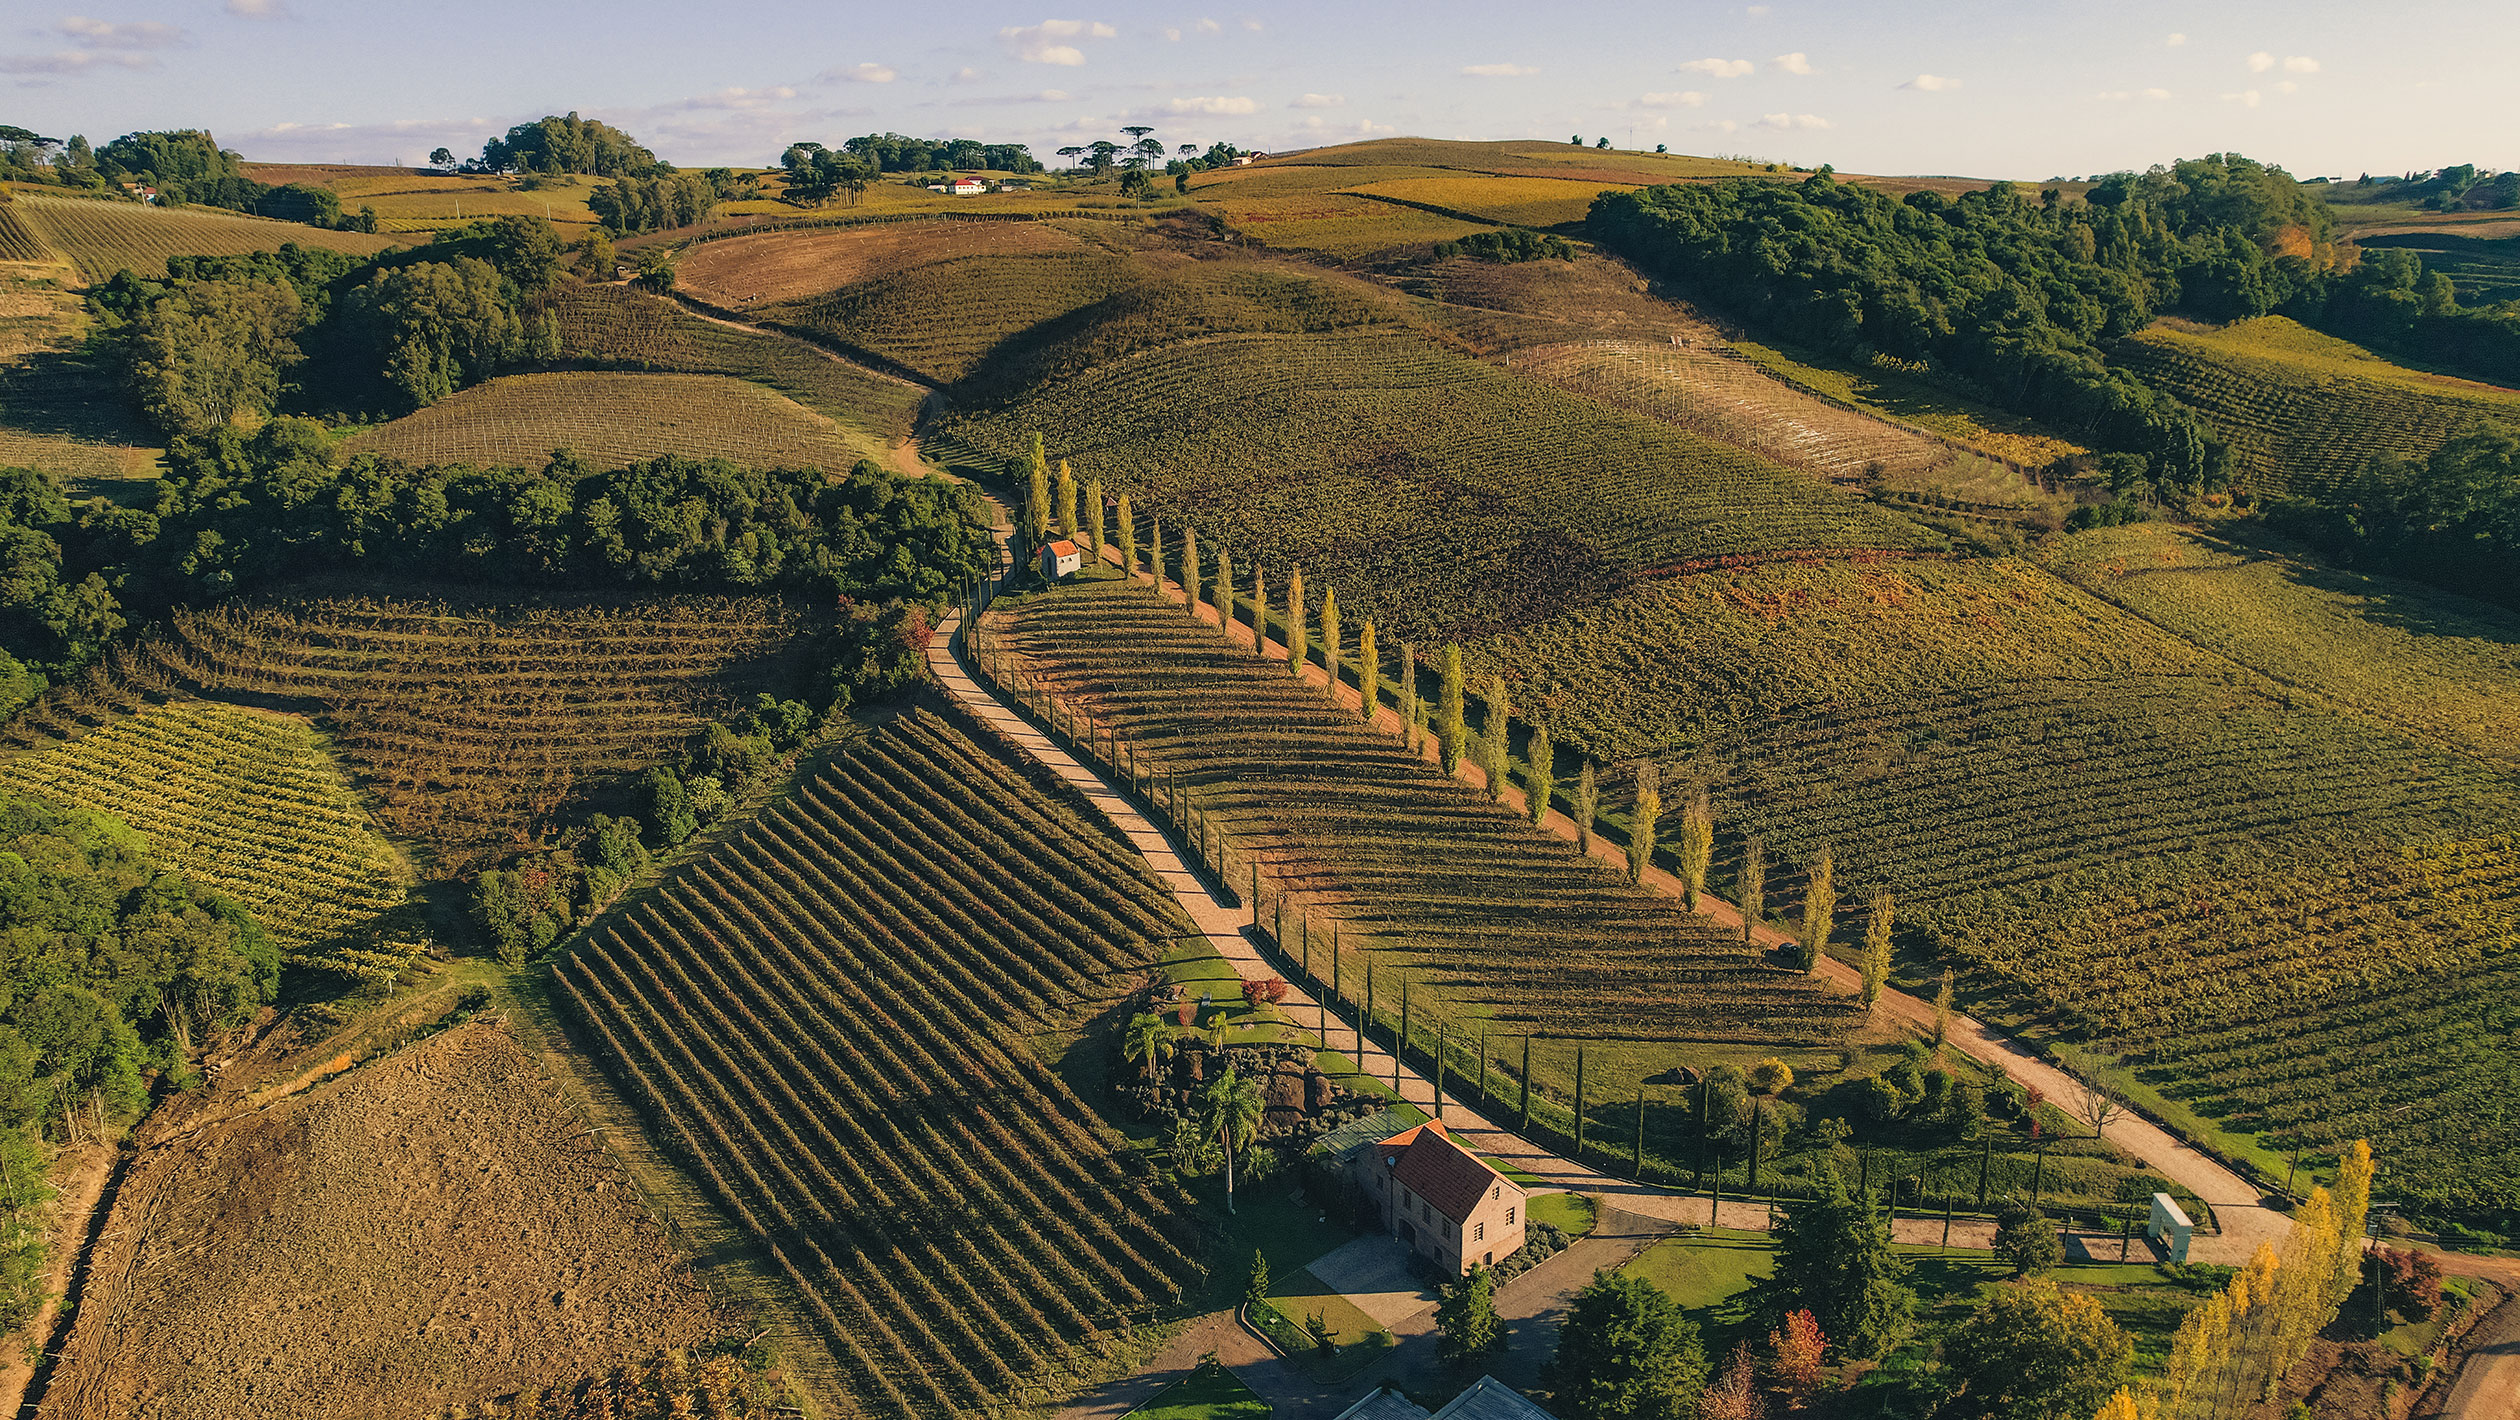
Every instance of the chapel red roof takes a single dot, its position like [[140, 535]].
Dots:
[[1450, 1178]]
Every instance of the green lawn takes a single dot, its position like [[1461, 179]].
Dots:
[[1709, 1273], [1572, 1213], [1208, 1393]]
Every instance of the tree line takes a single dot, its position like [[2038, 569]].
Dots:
[[2021, 297], [184, 167]]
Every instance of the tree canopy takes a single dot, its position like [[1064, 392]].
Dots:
[[1625, 1352], [557, 144], [1834, 1259], [2033, 1351]]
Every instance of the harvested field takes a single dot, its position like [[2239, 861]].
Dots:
[[627, 328], [427, 1231], [741, 272], [473, 726], [1512, 201], [609, 420], [827, 1017], [60, 412], [101, 238]]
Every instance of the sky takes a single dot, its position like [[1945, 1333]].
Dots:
[[1994, 88]]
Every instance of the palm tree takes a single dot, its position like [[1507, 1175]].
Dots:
[[1232, 1106], [1147, 1041]]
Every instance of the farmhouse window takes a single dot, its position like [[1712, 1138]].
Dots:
[[1509, 1217], [1481, 1234]]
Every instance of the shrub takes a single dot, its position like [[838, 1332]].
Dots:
[[1772, 1076], [2027, 1238]]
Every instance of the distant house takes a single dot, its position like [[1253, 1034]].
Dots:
[[968, 187], [1060, 559], [1441, 1199], [1247, 159], [1487, 1399]]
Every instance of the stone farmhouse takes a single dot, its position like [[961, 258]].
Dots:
[[1441, 1200]]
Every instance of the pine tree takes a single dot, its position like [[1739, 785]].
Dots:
[[1696, 846], [1368, 672], [1626, 1352], [1540, 780], [1128, 536], [1942, 1010], [1037, 497], [1642, 820], [1094, 519], [1587, 808], [1495, 731], [1190, 572], [1819, 910], [1330, 638], [1877, 948], [1834, 1258], [1753, 886], [1067, 500], [1298, 638], [1259, 613], [1451, 718], [1222, 592], [1256, 1288]]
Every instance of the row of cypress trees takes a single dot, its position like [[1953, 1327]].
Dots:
[[1450, 732]]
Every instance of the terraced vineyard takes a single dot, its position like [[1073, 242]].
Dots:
[[616, 325], [1447, 496], [473, 725], [2304, 412], [2117, 835], [519, 421], [940, 319], [1491, 919], [243, 801], [100, 238], [825, 1021]]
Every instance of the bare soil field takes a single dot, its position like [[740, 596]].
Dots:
[[787, 266], [421, 1232]]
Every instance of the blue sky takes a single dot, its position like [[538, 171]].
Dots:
[[1985, 87]]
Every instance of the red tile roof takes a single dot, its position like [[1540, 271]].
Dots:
[[1063, 548], [1450, 1178]]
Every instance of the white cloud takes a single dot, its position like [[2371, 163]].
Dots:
[[2156, 93], [2246, 98], [1794, 63], [1251, 25], [1038, 44], [257, 9], [2301, 64], [1207, 27], [1051, 96], [1319, 101], [1173, 33], [1239, 103], [1685, 98], [741, 98], [1754, 11], [1719, 68], [137, 34], [868, 73], [1792, 120], [1499, 71], [72, 61], [2260, 62], [2287, 86], [967, 75], [2175, 41], [1725, 126], [1931, 83], [2124, 95]]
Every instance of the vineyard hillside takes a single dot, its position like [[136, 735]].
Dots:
[[2428, 661], [472, 725], [100, 238], [1443, 494], [2118, 835], [61, 411], [737, 273], [2303, 412], [243, 801], [826, 1020], [627, 329], [938, 320], [521, 421]]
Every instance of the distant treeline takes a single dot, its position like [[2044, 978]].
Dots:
[[184, 167], [2452, 519], [2022, 296]]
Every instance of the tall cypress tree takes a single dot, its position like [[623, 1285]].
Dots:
[[1408, 696], [1155, 553], [1128, 536], [1697, 845], [1368, 672], [1067, 500], [1877, 947], [1452, 722], [1298, 640], [1587, 808], [1190, 588], [1819, 910], [1495, 735], [1541, 780], [1643, 819], [1222, 593], [1753, 885], [1094, 519], [1330, 638], [1037, 495], [1259, 613]]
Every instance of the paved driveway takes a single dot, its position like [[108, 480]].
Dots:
[[1373, 1272]]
